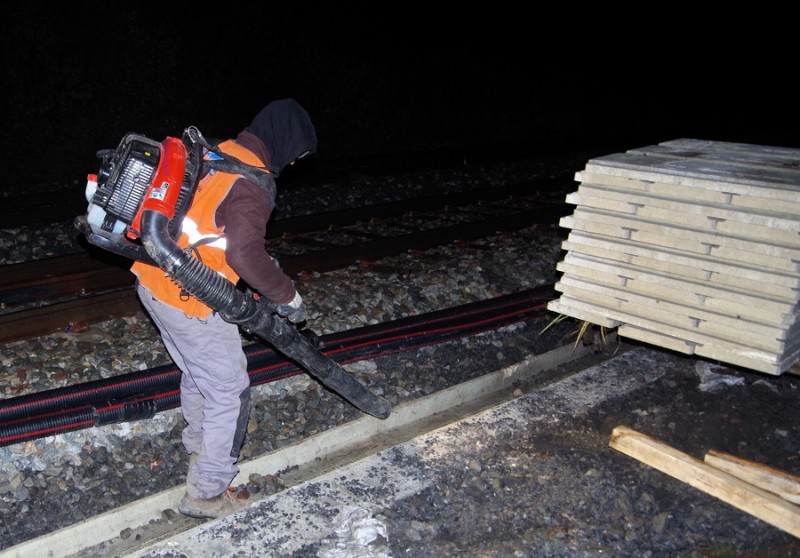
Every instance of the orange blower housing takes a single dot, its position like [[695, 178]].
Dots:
[[165, 187]]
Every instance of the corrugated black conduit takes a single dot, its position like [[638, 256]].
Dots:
[[140, 395]]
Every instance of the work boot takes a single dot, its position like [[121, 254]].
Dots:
[[222, 505]]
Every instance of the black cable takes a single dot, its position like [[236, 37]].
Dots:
[[140, 395]]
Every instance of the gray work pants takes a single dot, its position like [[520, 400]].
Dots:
[[215, 392]]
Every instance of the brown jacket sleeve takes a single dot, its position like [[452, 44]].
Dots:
[[244, 214]]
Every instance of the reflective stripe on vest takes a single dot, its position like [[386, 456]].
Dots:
[[192, 232]]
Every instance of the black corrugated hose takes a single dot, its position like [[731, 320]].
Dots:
[[140, 395]]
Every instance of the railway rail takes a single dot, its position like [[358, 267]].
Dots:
[[46, 296]]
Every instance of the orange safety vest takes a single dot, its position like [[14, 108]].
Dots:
[[199, 225]]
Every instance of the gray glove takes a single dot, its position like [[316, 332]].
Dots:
[[294, 311]]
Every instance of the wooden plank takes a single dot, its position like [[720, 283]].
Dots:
[[770, 183], [744, 496], [745, 155], [686, 327], [683, 272], [789, 154], [709, 264], [690, 235], [759, 336], [767, 336], [691, 242], [754, 360], [772, 480], [704, 345], [760, 309], [756, 200], [562, 306], [757, 281], [712, 338], [714, 349], [660, 339], [777, 216], [777, 228]]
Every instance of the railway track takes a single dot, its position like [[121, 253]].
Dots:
[[329, 241], [49, 295]]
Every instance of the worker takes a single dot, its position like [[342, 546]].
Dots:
[[225, 228]]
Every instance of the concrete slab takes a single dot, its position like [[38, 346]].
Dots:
[[340, 513]]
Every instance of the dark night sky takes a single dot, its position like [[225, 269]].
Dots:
[[387, 79]]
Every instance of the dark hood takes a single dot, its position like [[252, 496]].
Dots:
[[287, 132]]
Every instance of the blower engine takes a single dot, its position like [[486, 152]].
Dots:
[[140, 174], [137, 202]]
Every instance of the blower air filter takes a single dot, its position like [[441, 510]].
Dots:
[[123, 180]]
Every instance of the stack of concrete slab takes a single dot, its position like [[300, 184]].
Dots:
[[689, 245]]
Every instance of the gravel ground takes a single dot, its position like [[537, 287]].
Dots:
[[557, 491], [555, 488], [83, 473]]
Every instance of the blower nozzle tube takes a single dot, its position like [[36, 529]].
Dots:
[[254, 316]]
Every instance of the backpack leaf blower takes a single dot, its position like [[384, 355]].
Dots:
[[137, 202]]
